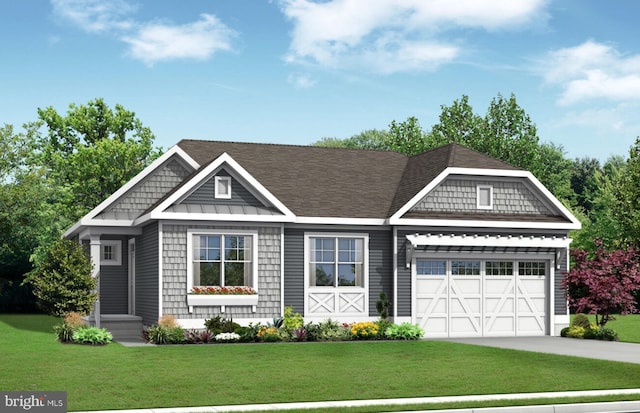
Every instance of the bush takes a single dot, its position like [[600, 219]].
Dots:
[[382, 305], [292, 321], [92, 335], [227, 337], [607, 334], [330, 330], [405, 331], [64, 332], [167, 331], [581, 320], [62, 281], [268, 334], [564, 331], [383, 325], [576, 332], [219, 325], [198, 337], [364, 330]]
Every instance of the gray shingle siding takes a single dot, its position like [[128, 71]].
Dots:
[[114, 283], [150, 190], [174, 288], [239, 194], [147, 274], [460, 195]]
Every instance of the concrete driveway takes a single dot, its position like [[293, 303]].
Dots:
[[604, 350]]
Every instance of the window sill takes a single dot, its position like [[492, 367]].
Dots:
[[221, 300]]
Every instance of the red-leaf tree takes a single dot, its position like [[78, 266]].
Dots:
[[603, 284]]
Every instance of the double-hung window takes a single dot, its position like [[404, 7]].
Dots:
[[336, 261], [222, 259]]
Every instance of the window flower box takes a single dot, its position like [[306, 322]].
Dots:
[[222, 297]]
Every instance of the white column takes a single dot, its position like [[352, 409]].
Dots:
[[94, 244]]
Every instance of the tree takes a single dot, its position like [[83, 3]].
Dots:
[[368, 139], [457, 124], [626, 193], [91, 152], [63, 282], [603, 284], [407, 137], [583, 181]]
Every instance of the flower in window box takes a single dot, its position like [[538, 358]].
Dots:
[[217, 290]]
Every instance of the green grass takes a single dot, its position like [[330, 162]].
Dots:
[[115, 377], [627, 326]]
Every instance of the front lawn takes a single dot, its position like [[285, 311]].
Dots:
[[627, 326], [115, 377]]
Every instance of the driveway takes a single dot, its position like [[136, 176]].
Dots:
[[596, 349]]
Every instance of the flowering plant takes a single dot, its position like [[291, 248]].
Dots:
[[216, 290], [228, 337]]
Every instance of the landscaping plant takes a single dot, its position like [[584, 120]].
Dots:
[[92, 335], [404, 331]]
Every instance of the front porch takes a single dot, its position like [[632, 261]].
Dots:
[[123, 327]]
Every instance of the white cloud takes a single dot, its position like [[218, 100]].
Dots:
[[301, 81], [94, 16], [593, 71], [394, 35], [150, 42], [198, 40]]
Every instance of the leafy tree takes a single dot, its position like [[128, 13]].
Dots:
[[91, 152], [407, 137], [626, 192], [63, 282], [368, 139], [603, 284], [458, 124], [583, 181]]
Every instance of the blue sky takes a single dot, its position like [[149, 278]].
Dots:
[[295, 71]]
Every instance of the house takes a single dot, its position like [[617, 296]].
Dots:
[[461, 243]]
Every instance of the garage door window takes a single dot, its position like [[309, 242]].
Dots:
[[499, 268], [431, 267], [532, 268], [465, 267]]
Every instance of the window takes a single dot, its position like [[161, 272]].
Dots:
[[223, 187], [222, 260], [532, 268], [110, 252], [485, 197], [465, 267], [499, 268], [431, 267], [336, 262]]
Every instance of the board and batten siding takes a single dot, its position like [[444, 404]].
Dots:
[[380, 266], [114, 279], [204, 195], [174, 277], [147, 274], [460, 195]]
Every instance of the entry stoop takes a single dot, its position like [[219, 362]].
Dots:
[[123, 327]]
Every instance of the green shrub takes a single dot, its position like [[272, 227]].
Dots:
[[580, 320], [404, 331], [92, 335], [329, 330], [564, 331], [292, 321], [160, 334], [313, 331], [382, 305], [607, 334], [576, 332], [383, 325], [62, 281], [219, 325], [268, 334], [64, 332]]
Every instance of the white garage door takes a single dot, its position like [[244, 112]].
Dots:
[[467, 298]]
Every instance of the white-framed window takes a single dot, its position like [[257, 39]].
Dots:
[[538, 268], [110, 252], [484, 198], [336, 260], [222, 258], [222, 187]]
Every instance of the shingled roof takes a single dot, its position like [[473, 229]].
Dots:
[[335, 182]]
